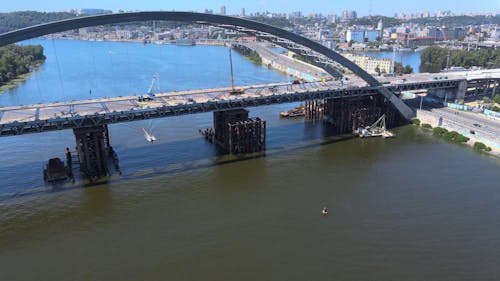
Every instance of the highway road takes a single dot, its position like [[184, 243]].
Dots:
[[472, 124]]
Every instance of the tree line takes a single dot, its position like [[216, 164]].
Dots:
[[16, 20], [17, 60], [434, 59]]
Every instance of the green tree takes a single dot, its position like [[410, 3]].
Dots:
[[398, 68], [408, 69], [17, 20], [17, 60], [433, 59], [486, 58], [497, 99]]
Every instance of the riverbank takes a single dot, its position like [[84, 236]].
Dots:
[[16, 82], [205, 42], [285, 64], [475, 134]]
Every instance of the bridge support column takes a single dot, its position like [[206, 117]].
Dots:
[[347, 114], [313, 110], [461, 90], [92, 144], [235, 133]]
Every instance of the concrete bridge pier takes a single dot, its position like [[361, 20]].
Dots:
[[235, 133], [451, 95], [491, 88], [92, 145]]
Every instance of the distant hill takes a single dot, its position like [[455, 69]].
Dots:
[[17, 20]]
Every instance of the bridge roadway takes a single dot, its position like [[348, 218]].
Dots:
[[37, 118]]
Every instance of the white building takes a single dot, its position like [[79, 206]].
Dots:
[[370, 64], [355, 35], [123, 34]]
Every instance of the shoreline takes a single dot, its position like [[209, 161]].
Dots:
[[16, 82]]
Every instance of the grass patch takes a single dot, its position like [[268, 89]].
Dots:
[[479, 146], [416, 121], [427, 126], [455, 137], [438, 131]]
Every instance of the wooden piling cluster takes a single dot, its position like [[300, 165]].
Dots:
[[313, 110], [235, 133], [347, 114]]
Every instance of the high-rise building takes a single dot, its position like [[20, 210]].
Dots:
[[355, 35], [362, 35], [348, 15], [223, 10], [91, 12], [371, 35], [242, 14], [332, 18], [380, 29]]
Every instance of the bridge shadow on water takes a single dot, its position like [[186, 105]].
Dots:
[[182, 156]]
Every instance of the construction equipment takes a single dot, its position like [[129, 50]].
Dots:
[[377, 129], [233, 90], [448, 47]]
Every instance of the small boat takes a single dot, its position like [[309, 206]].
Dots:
[[294, 112], [149, 137]]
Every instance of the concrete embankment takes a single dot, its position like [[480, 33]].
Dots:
[[474, 131], [283, 63]]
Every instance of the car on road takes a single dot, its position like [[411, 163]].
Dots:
[[476, 125]]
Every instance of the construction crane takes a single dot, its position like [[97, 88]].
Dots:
[[155, 78], [149, 94], [448, 47], [233, 90]]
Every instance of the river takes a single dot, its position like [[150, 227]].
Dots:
[[409, 208], [407, 57]]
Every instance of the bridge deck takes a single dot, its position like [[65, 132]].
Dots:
[[55, 116]]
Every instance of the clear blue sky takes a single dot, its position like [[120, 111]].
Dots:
[[384, 7]]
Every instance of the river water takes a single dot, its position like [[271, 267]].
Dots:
[[409, 208], [407, 57]]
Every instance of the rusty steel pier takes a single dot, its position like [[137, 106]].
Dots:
[[235, 133]]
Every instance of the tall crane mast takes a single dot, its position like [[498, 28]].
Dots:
[[155, 78], [231, 66], [234, 91], [448, 47]]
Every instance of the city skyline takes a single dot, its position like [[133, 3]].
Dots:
[[363, 7]]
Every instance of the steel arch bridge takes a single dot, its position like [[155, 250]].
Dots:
[[320, 55]]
